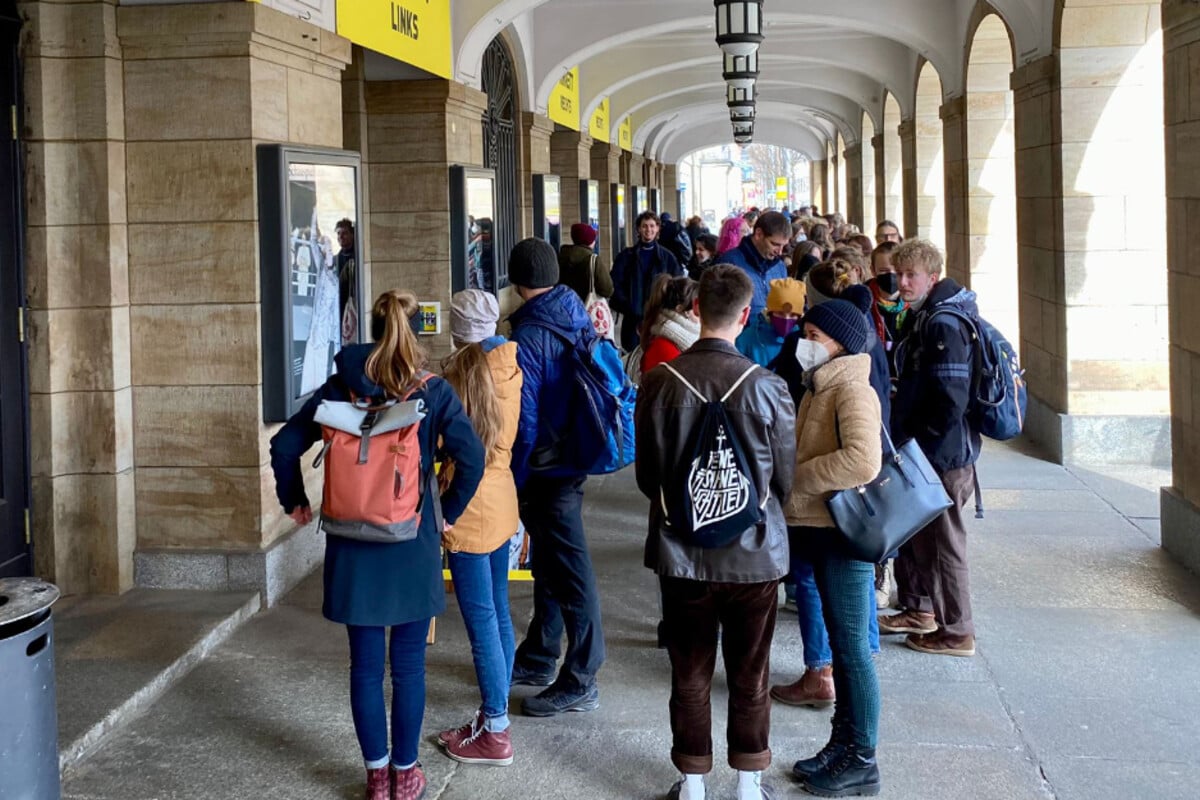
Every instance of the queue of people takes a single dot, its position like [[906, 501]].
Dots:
[[767, 385]]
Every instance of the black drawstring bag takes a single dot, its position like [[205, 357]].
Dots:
[[714, 500]]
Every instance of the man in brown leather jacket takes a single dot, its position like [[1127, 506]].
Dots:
[[732, 588]]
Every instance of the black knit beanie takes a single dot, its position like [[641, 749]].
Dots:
[[533, 264], [841, 321]]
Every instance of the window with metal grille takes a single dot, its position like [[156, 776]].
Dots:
[[500, 151]]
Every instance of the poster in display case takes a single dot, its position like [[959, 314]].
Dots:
[[589, 208], [475, 264], [547, 209], [619, 215], [641, 201], [312, 303]]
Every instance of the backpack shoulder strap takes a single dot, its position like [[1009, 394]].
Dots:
[[592, 275], [739, 382], [423, 378], [684, 381]]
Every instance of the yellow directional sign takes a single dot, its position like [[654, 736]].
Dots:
[[625, 134], [416, 32], [599, 126], [564, 100]]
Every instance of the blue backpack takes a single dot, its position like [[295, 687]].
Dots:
[[602, 401], [998, 391]]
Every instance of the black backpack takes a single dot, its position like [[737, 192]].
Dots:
[[714, 500]]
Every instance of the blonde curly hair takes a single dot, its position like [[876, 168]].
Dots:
[[920, 253]]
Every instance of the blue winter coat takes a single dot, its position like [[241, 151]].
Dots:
[[760, 270], [933, 390], [759, 342], [546, 363], [370, 583]]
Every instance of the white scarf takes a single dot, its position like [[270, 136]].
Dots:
[[681, 331]]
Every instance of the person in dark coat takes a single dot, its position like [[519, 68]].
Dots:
[[634, 272], [676, 239], [580, 268], [566, 599], [371, 587]]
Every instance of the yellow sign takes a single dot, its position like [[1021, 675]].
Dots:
[[781, 189], [564, 100], [431, 318], [416, 32], [625, 134], [599, 126]]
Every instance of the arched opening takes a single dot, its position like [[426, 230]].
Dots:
[[499, 82], [842, 193], [1114, 209], [868, 175], [931, 182], [893, 169], [991, 184], [831, 180]]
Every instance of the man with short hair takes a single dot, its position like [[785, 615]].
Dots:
[[551, 498], [887, 231], [760, 255], [933, 394], [634, 272], [725, 593], [345, 262]]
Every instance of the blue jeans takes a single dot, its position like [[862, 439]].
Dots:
[[407, 653], [808, 600], [481, 585], [565, 595], [848, 608]]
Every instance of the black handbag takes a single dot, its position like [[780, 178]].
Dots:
[[878, 517]]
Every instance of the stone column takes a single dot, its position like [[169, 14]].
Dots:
[[417, 130], [908, 171], [534, 160], [77, 261], [205, 515], [607, 162], [571, 159], [854, 184], [1181, 500], [954, 153], [835, 191], [670, 191], [354, 137], [1038, 154], [820, 185], [881, 187]]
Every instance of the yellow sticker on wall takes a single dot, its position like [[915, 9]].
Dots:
[[564, 100], [416, 32], [625, 134], [599, 126]]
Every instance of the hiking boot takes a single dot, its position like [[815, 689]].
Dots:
[[482, 747], [529, 677], [838, 740], [885, 585], [455, 734], [814, 689], [942, 644], [379, 784], [907, 621], [853, 773], [557, 700], [408, 784]]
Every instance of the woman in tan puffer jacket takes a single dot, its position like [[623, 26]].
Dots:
[[838, 446], [484, 372]]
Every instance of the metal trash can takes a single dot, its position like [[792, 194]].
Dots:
[[28, 711]]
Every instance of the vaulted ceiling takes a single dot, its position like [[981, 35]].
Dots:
[[823, 64]]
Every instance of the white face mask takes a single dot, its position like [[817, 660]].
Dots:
[[811, 354]]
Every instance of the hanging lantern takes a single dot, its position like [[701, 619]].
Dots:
[[741, 71], [740, 101], [746, 112], [743, 127], [743, 138], [739, 26]]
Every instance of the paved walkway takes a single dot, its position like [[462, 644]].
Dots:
[[1087, 682]]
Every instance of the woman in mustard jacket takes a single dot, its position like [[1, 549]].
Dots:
[[484, 372]]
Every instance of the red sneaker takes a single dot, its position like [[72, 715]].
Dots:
[[482, 747], [408, 784], [379, 784], [462, 732]]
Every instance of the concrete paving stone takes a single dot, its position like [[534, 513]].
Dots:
[[1133, 491], [1087, 778], [1043, 500], [1020, 473], [1151, 527], [1047, 523], [1108, 572]]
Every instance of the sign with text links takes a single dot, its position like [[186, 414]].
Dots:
[[599, 126], [416, 32], [563, 107], [625, 134]]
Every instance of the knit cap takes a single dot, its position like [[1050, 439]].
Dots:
[[786, 295], [841, 321], [473, 316], [533, 264], [583, 234]]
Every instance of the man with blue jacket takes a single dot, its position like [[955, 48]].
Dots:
[[565, 597], [760, 255]]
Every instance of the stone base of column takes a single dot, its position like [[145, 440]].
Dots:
[[272, 572], [1112, 439], [1180, 528]]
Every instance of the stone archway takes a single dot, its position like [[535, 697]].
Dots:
[[843, 206], [930, 174], [499, 123], [893, 168], [868, 175]]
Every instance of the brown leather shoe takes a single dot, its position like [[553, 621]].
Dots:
[[940, 644], [814, 689], [907, 621], [408, 784], [379, 784]]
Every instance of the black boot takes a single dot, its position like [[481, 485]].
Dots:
[[838, 739], [853, 773]]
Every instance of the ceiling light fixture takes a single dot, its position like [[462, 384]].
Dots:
[[741, 71], [739, 26]]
